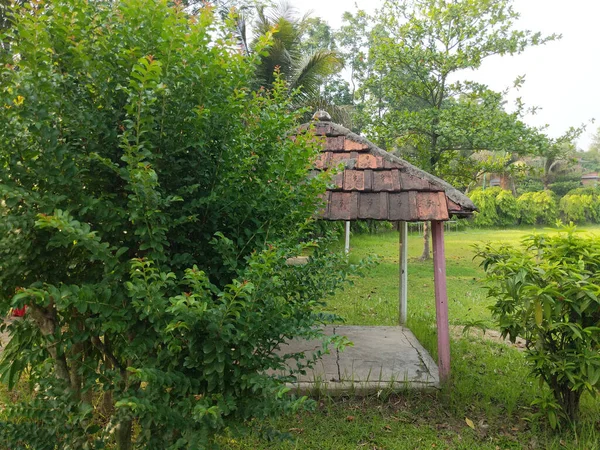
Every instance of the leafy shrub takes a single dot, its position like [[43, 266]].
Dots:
[[370, 226], [150, 201], [585, 191], [581, 205], [561, 188], [537, 207], [497, 207], [508, 211], [529, 185], [578, 208], [547, 292]]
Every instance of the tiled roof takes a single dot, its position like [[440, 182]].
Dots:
[[378, 185]]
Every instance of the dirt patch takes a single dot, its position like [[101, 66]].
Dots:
[[490, 335]]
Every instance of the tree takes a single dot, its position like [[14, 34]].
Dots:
[[420, 49], [5, 20], [302, 66], [317, 35], [148, 203], [355, 38], [595, 144], [558, 155]]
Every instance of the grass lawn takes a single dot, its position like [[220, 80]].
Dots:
[[489, 386]]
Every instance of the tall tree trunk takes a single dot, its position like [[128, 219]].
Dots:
[[123, 435], [76, 363], [87, 396], [505, 181], [46, 320], [426, 252]]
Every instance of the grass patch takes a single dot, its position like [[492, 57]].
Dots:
[[490, 384]]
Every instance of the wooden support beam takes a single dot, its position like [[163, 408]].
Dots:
[[441, 299], [403, 291]]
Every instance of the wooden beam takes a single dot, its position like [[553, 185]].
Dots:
[[403, 291], [441, 299]]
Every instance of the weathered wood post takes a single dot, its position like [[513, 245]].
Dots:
[[403, 288], [441, 299]]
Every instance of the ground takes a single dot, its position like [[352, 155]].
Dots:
[[487, 404]]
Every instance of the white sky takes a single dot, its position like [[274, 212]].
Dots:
[[562, 77]]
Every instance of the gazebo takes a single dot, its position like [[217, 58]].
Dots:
[[377, 185]]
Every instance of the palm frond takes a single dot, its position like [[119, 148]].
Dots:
[[309, 73]]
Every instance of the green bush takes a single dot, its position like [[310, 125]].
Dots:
[[497, 207], [593, 191], [547, 292], [578, 208], [537, 208], [529, 185], [581, 205], [150, 202], [561, 188]]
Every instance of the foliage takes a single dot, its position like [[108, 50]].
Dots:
[[497, 207], [354, 39], [417, 50], [585, 190], [295, 52], [548, 293], [581, 205], [370, 226], [530, 185], [561, 188], [594, 147], [558, 156], [6, 22], [537, 207], [150, 201], [419, 107]]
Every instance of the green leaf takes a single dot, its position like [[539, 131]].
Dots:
[[539, 313]]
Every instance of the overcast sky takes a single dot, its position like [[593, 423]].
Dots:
[[562, 77]]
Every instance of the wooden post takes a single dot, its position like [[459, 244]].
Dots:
[[403, 228], [441, 299], [347, 246]]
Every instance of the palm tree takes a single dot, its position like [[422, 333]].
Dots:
[[301, 71], [304, 72]]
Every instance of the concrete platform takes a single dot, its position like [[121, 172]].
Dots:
[[381, 358]]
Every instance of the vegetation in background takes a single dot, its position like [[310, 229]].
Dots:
[[149, 202], [581, 205], [594, 149], [536, 208], [499, 208], [547, 292], [496, 207]]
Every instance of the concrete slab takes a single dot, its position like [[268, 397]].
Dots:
[[381, 358]]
